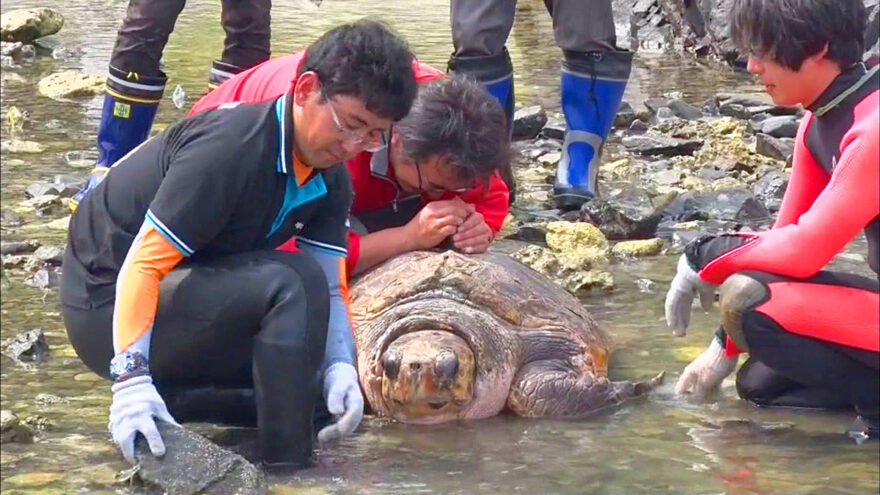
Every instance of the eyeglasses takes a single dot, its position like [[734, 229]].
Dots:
[[436, 190], [370, 140]]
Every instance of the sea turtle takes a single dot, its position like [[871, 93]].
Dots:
[[444, 336]]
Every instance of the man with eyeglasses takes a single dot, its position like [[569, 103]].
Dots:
[[172, 276], [437, 176]]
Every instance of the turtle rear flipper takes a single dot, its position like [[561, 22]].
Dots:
[[550, 389]]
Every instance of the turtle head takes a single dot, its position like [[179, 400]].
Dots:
[[427, 376]]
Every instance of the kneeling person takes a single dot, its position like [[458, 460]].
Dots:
[[171, 269]]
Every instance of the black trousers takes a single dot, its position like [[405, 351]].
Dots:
[[148, 23], [788, 368], [238, 339]]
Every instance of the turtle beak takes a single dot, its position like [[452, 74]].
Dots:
[[391, 364]]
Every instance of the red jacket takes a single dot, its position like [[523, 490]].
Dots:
[[372, 177]]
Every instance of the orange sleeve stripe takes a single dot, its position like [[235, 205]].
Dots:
[[343, 289], [138, 285]]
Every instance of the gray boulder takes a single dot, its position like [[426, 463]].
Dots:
[[192, 465], [780, 126], [684, 110], [18, 247], [778, 148], [770, 188], [528, 121], [661, 145], [630, 214]]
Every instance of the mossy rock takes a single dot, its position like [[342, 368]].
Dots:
[[636, 248], [26, 25], [70, 84]]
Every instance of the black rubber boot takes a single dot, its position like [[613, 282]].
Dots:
[[286, 383]]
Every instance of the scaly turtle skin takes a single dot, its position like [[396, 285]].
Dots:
[[443, 336]]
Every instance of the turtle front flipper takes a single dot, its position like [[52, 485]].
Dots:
[[551, 388]]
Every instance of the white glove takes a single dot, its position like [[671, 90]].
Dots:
[[344, 400], [706, 372], [135, 403], [680, 297]]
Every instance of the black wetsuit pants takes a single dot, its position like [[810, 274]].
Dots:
[[148, 23], [790, 367], [238, 339]]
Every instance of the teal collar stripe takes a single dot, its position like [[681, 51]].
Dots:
[[281, 105], [295, 196]]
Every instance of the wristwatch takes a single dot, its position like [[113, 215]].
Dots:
[[127, 365]]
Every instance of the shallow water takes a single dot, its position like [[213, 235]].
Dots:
[[656, 445]]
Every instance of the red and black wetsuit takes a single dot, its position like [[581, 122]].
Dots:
[[815, 340]]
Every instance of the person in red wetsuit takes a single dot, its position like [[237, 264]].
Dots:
[[813, 335], [437, 177]]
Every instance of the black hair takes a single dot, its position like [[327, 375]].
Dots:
[[788, 31], [367, 61], [455, 117]]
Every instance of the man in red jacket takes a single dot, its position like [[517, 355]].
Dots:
[[437, 177], [813, 336]]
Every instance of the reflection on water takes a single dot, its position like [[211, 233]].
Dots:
[[657, 445]]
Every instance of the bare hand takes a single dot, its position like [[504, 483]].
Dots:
[[474, 235], [436, 221]]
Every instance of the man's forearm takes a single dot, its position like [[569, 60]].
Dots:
[[380, 246]]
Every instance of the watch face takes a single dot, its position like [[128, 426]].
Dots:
[[127, 363]]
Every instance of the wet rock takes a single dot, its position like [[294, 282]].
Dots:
[[40, 189], [784, 126], [734, 110], [735, 206], [26, 25], [50, 255], [9, 218], [577, 240], [745, 99], [12, 430], [70, 84], [661, 145], [193, 465], [49, 205], [628, 215], [14, 261], [528, 122], [60, 224], [667, 177], [18, 247], [11, 49], [638, 127], [770, 188], [568, 273], [534, 232], [777, 148], [655, 104], [26, 347], [625, 116], [684, 110], [646, 286], [44, 399], [37, 423], [80, 158], [44, 278], [550, 160], [643, 247], [554, 128], [618, 168], [20, 146], [11, 77], [67, 185]]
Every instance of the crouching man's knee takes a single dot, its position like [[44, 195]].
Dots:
[[739, 294]]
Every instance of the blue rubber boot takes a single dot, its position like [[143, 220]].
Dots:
[[495, 72], [130, 104], [592, 89]]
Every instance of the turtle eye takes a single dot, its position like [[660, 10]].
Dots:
[[391, 363], [446, 366]]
